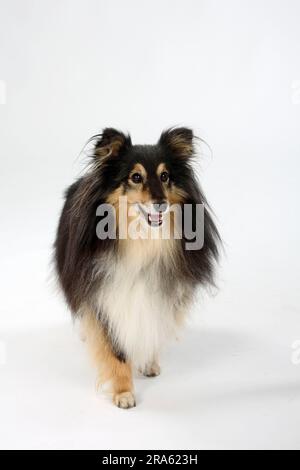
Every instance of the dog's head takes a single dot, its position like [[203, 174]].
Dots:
[[152, 177]]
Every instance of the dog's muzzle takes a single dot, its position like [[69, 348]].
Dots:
[[154, 213]]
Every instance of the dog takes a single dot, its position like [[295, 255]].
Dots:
[[132, 290]]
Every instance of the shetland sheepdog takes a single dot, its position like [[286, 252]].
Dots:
[[127, 255]]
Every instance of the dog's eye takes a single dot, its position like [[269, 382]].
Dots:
[[164, 176], [136, 178]]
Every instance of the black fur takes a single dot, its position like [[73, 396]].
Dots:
[[77, 246]]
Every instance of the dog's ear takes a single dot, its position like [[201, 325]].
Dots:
[[111, 143], [179, 141]]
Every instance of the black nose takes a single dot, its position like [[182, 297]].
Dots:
[[160, 206]]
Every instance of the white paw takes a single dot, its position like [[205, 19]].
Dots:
[[125, 400], [152, 370]]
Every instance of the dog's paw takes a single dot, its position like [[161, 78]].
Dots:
[[125, 400], [152, 370]]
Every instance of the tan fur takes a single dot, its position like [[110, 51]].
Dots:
[[113, 198], [139, 253], [180, 145], [176, 195], [138, 168], [133, 195], [161, 168], [173, 195], [110, 369], [112, 149], [143, 251], [138, 194]]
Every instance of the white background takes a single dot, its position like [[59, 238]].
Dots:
[[229, 69]]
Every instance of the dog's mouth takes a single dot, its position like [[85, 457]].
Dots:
[[153, 218]]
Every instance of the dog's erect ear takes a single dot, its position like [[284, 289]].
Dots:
[[179, 141], [111, 143]]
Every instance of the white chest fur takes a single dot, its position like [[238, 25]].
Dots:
[[140, 315]]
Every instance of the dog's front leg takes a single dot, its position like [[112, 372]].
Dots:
[[110, 367], [121, 377]]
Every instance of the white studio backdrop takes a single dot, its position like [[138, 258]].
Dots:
[[231, 71]]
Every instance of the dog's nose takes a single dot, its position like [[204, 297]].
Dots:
[[160, 206]]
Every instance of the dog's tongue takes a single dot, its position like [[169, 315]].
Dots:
[[155, 217]]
